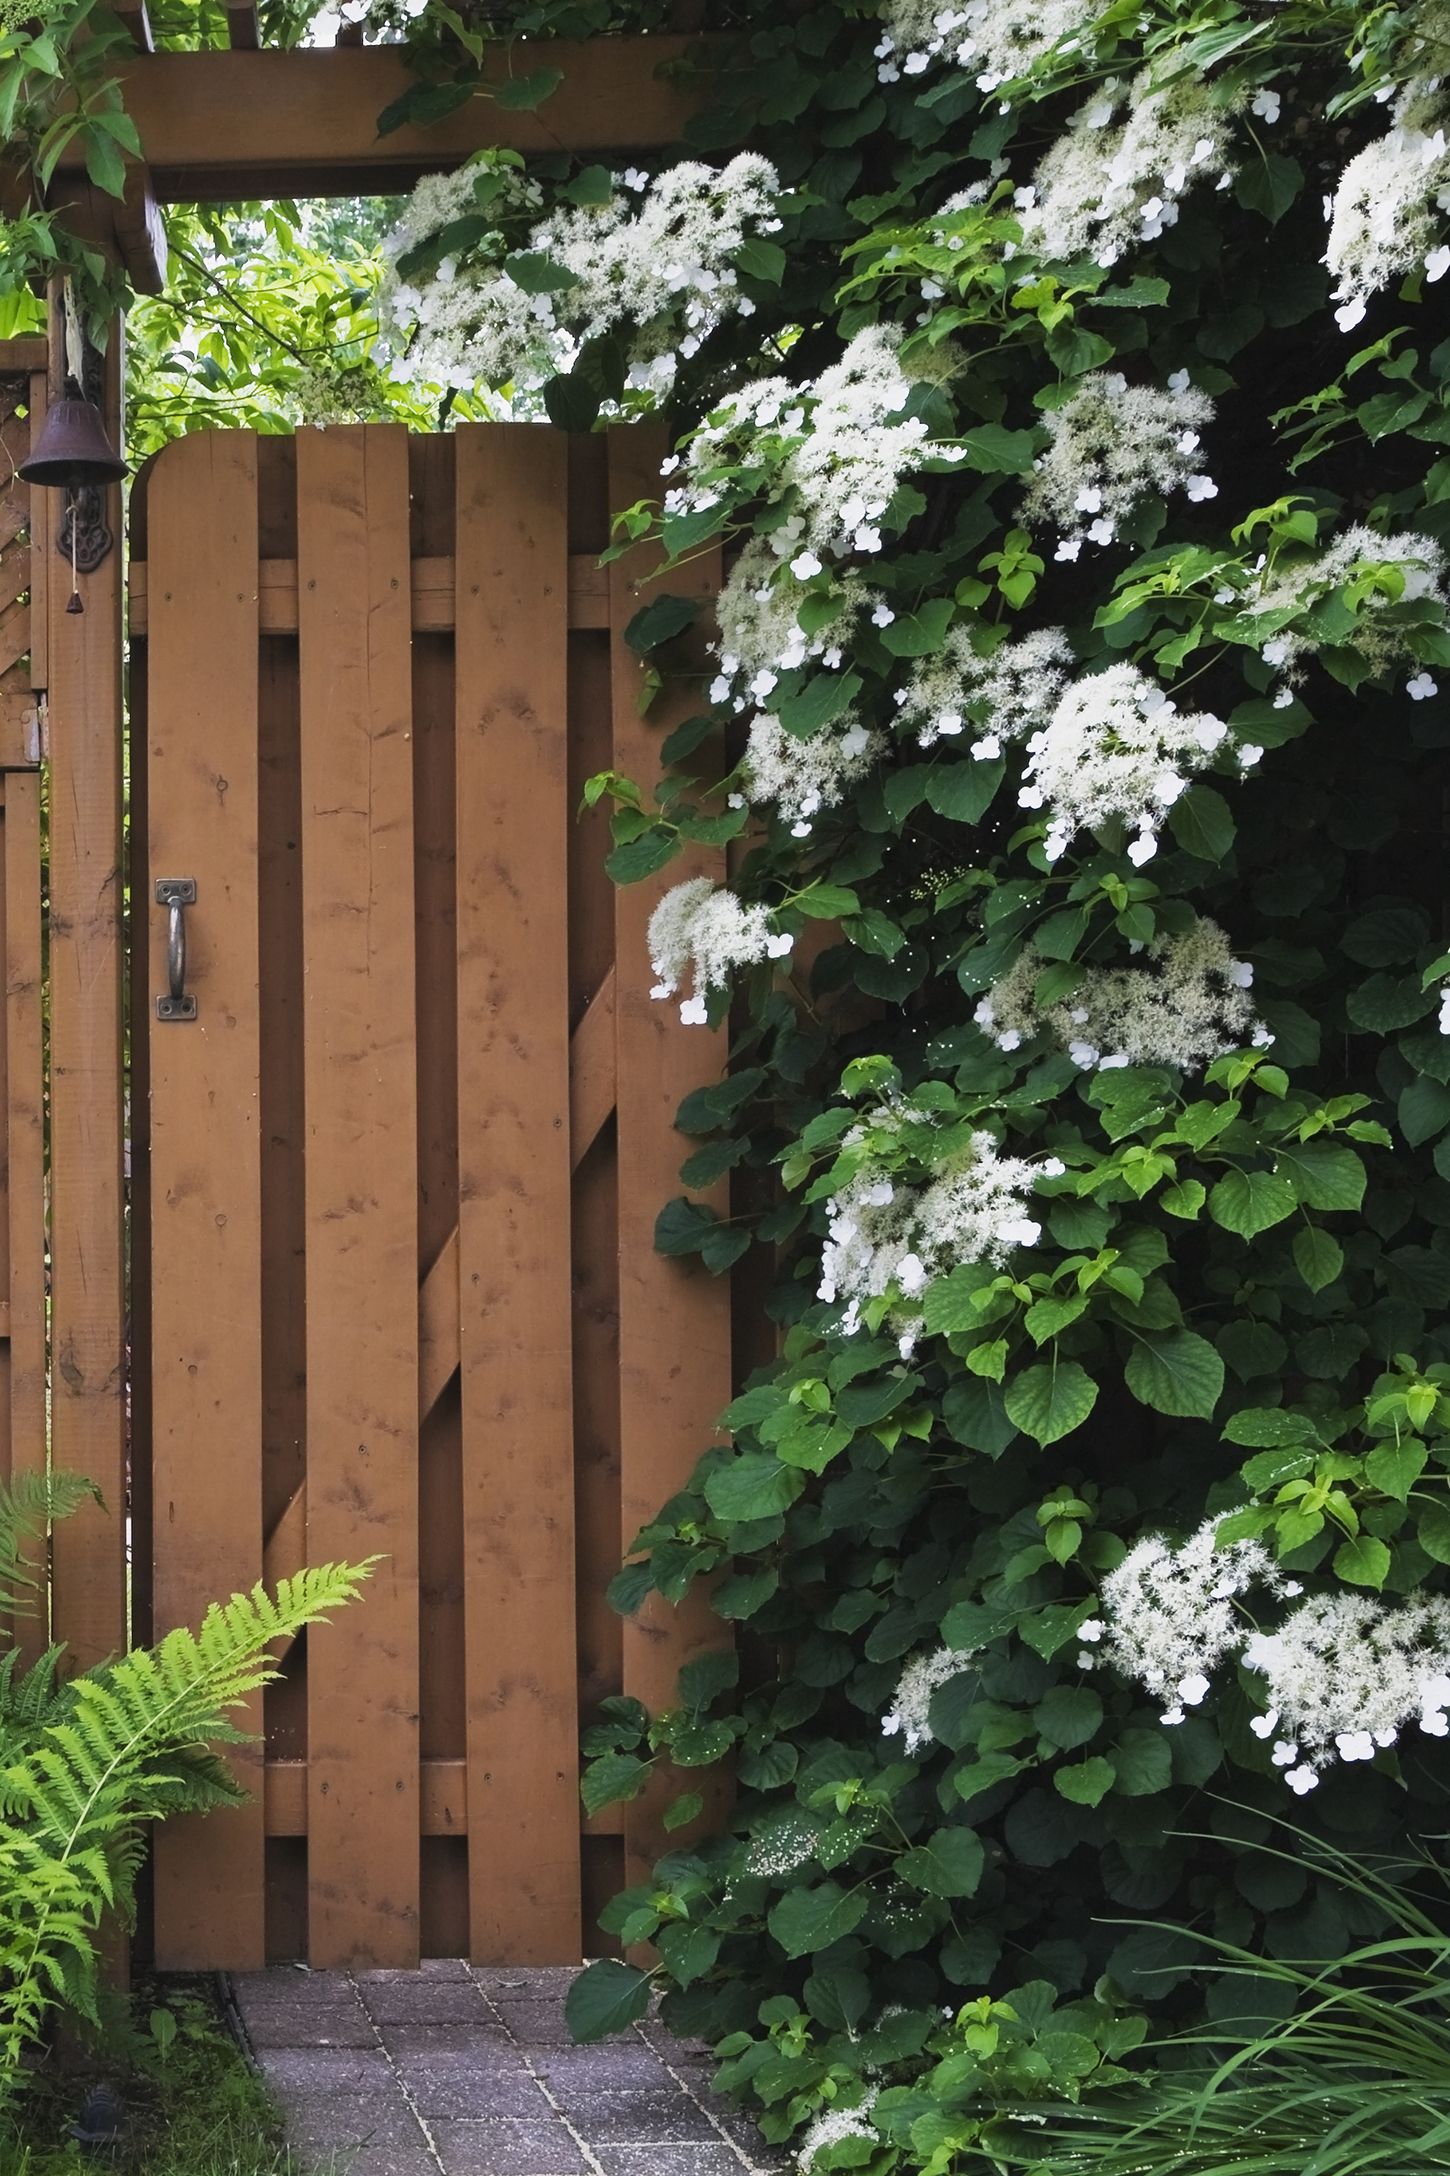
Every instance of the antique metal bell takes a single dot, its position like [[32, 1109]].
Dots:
[[72, 449]]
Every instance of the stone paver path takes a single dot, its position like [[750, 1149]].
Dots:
[[460, 2071]]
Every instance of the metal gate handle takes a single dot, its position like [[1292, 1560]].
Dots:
[[176, 894]]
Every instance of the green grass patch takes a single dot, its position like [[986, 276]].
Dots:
[[193, 2105]]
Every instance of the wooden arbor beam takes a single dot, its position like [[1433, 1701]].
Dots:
[[219, 126]]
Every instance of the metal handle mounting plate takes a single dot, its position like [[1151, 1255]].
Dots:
[[176, 894]]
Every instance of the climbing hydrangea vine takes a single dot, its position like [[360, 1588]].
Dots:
[[1063, 392]]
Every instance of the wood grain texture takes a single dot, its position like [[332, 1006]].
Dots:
[[674, 1319], [514, 1191], [206, 1159], [217, 125], [86, 905], [361, 1185], [25, 1145]]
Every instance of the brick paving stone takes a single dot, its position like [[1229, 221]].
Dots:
[[393, 1975], [669, 2160], [526, 1982], [391, 2160], [443, 2087], [492, 2074], [481, 2036], [295, 2025], [501, 2146], [363, 2071], [424, 2002], [537, 2024], [285, 1982], [323, 2120], [634, 2118], [613, 2065]]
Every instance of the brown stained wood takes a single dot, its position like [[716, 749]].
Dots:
[[25, 1145], [513, 1074], [361, 1186], [591, 1071], [438, 1327], [443, 1801], [86, 910], [206, 1192], [431, 590], [674, 1320], [219, 125]]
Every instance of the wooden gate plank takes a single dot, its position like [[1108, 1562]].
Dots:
[[361, 1186], [87, 912], [25, 1139], [206, 1285], [514, 1189], [674, 1321]]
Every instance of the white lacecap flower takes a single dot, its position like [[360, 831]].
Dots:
[[1418, 564], [909, 1714], [1012, 688], [1117, 174], [1111, 446], [701, 929], [1386, 217], [1170, 1616], [654, 262], [1421, 687], [1114, 747], [888, 1238], [831, 2127]]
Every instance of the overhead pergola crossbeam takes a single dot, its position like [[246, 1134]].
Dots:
[[221, 127]]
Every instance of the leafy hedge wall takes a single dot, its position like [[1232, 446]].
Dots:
[[1237, 1252]]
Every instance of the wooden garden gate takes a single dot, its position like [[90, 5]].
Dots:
[[402, 1124]]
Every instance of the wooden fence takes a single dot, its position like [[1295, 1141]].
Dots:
[[22, 1085], [396, 1183]]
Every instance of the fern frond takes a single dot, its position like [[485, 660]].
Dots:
[[129, 1742], [30, 1503]]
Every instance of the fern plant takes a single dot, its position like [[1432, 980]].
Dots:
[[87, 1762]]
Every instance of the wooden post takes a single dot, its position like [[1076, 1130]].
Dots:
[[87, 1184]]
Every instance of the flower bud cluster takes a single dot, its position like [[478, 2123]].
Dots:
[[1187, 1004]]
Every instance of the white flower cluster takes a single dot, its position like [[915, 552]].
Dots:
[[804, 776], [1421, 565], [1169, 1615], [834, 2125], [889, 1237], [1116, 746], [1111, 445], [1186, 1005], [760, 632], [998, 698], [700, 928], [909, 1715], [461, 325], [1387, 216], [843, 447], [998, 40], [1119, 172], [1345, 1673], [656, 261]]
